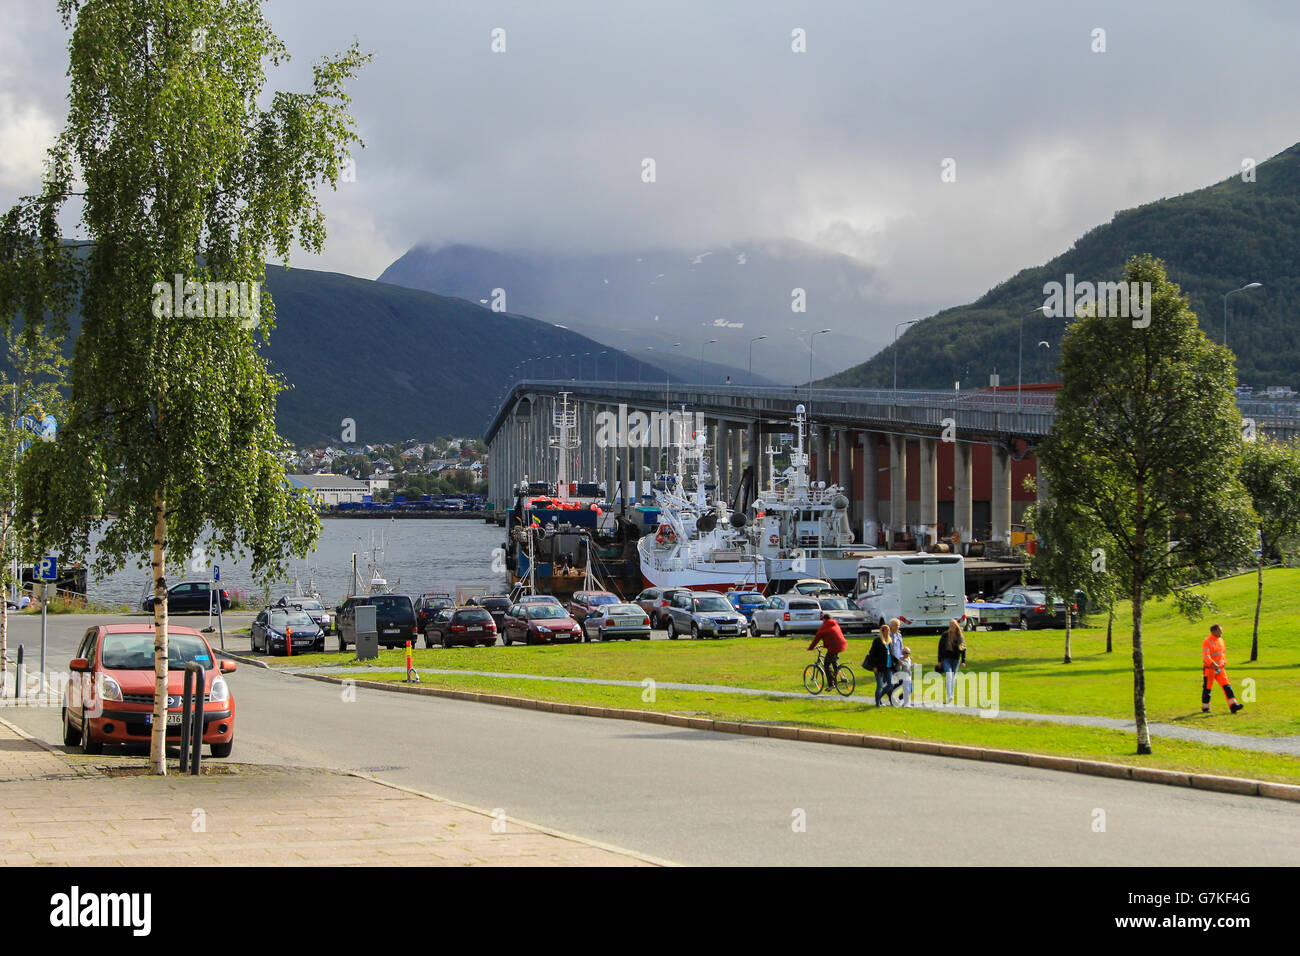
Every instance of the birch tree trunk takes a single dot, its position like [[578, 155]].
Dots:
[[1259, 600], [1139, 677], [158, 739], [4, 606]]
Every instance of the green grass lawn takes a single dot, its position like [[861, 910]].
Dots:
[[1031, 675], [862, 716]]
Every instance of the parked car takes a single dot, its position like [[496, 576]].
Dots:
[[496, 605], [846, 614], [428, 604], [701, 614], [315, 610], [110, 699], [437, 621], [609, 622], [1034, 612], [190, 597], [648, 601], [542, 599], [394, 619], [811, 587], [658, 606], [540, 623], [746, 602], [469, 625], [584, 602], [787, 614], [271, 628]]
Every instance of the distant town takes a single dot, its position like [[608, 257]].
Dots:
[[447, 471]]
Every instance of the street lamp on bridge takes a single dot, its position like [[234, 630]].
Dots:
[[1020, 347], [1251, 285], [751, 356], [896, 328]]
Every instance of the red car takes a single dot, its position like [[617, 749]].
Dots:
[[585, 602], [539, 624], [110, 698]]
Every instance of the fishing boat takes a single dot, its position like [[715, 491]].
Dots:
[[698, 545], [801, 528], [562, 535]]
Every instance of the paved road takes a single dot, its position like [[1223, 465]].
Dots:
[[705, 798]]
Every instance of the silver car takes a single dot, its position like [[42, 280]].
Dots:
[[845, 613], [787, 614], [610, 622], [703, 615]]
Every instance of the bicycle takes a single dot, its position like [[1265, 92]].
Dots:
[[814, 677]]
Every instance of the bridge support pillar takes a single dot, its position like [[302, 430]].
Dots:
[[736, 470], [823, 453], [962, 508], [1000, 506], [897, 487], [754, 453], [638, 475], [722, 458], [611, 455], [928, 517], [870, 477], [844, 476]]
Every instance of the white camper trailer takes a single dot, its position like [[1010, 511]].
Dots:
[[924, 591]]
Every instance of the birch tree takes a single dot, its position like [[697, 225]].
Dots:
[[189, 174]]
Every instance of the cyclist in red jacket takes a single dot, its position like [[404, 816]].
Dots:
[[830, 635]]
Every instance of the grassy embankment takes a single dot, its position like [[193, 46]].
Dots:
[[1030, 678]]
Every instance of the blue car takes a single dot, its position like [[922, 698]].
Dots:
[[746, 602]]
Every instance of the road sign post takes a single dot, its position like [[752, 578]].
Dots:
[[46, 571]]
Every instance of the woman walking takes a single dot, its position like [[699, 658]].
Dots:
[[880, 661], [952, 655]]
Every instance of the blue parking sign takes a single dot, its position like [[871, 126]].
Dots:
[[216, 572], [47, 569]]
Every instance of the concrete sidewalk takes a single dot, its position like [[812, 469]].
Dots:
[[65, 810]]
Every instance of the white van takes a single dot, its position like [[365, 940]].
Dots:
[[924, 591]]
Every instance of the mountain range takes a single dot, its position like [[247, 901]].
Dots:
[[1213, 240], [651, 299]]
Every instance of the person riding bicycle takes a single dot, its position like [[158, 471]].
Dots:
[[830, 635]]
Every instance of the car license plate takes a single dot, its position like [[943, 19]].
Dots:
[[478, 628], [173, 720], [390, 630]]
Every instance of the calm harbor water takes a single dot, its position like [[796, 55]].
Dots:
[[420, 555]]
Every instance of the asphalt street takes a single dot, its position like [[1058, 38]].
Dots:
[[699, 797]]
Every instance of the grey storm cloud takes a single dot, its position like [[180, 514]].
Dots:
[[540, 147]]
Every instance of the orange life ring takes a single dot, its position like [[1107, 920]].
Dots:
[[773, 539]]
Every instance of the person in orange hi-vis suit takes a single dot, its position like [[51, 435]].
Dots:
[[1214, 668]]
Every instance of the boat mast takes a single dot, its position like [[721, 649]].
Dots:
[[565, 441]]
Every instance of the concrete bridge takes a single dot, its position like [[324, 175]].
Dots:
[[919, 465]]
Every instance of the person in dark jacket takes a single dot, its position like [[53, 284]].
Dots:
[[830, 635], [952, 656], [880, 661]]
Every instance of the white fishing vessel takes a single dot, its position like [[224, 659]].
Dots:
[[698, 545], [801, 528]]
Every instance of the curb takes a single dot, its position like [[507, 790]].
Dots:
[[1240, 786], [549, 831], [250, 661]]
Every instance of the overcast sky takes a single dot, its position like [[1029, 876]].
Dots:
[[540, 147]]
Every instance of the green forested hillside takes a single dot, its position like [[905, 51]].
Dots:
[[1213, 240]]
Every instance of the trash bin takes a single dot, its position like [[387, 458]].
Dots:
[[367, 633]]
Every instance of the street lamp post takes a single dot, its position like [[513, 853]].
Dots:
[[1020, 347], [896, 330], [751, 356], [810, 366], [702, 348], [1250, 285]]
